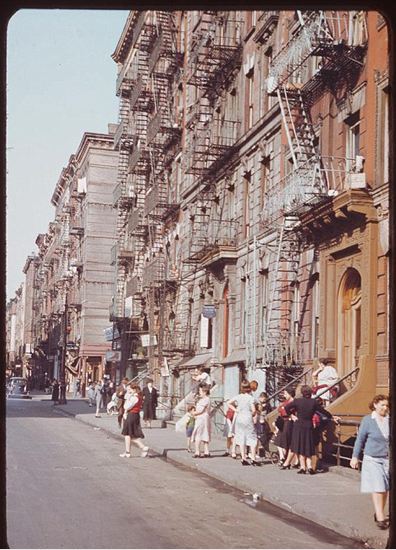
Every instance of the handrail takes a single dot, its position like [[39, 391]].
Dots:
[[341, 450], [292, 381]]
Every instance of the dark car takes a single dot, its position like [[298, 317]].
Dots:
[[17, 387]]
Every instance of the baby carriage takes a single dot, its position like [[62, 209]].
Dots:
[[112, 405], [267, 450]]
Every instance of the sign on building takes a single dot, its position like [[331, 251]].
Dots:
[[209, 311]]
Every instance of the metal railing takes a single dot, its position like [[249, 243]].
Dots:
[[337, 445], [340, 381], [290, 384]]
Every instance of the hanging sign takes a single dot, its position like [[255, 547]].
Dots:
[[145, 339], [111, 333], [209, 311], [165, 367]]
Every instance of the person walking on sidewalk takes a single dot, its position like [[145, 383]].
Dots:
[[76, 390], [131, 428], [201, 432], [150, 402], [373, 438], [55, 391], [99, 389], [244, 431], [302, 442], [91, 393]]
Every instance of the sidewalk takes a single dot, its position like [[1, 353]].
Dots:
[[330, 499]]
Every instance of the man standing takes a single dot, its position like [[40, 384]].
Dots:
[[150, 402]]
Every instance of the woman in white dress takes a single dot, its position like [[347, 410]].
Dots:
[[245, 434], [201, 432]]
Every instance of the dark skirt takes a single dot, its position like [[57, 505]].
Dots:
[[148, 411], [302, 441], [132, 426], [284, 437]]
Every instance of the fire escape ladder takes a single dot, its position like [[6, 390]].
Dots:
[[283, 271], [298, 126]]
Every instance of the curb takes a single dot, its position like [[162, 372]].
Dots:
[[298, 509]]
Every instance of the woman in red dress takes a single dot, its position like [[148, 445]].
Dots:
[[131, 428]]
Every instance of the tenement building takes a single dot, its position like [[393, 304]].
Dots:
[[252, 198], [69, 282]]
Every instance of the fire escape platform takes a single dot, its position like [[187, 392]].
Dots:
[[219, 255], [349, 204]]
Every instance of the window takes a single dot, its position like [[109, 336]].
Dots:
[[265, 176], [271, 99], [249, 90], [315, 319], [243, 311], [226, 321], [263, 302], [251, 20], [246, 206], [295, 321], [206, 332], [352, 138], [383, 126]]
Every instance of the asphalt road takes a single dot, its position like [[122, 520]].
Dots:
[[67, 487]]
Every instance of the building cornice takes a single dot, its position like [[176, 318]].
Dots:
[[126, 39], [91, 139]]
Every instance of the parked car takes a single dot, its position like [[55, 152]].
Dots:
[[17, 387]]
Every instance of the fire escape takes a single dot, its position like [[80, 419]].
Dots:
[[215, 54], [129, 139], [162, 143], [329, 39]]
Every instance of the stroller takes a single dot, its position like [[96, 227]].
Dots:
[[112, 405], [267, 450]]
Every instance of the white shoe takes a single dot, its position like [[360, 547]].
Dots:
[[125, 455], [145, 452]]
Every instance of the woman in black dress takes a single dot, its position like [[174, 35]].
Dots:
[[150, 402], [302, 442], [55, 390], [285, 425]]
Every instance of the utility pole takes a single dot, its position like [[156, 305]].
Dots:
[[62, 381]]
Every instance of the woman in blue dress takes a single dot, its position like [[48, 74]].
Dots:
[[373, 440]]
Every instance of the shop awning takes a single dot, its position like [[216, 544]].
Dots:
[[196, 361], [236, 356]]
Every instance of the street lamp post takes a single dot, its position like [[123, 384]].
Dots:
[[62, 374]]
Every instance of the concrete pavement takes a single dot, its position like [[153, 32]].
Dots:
[[330, 499]]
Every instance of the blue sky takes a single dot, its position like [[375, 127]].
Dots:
[[60, 84]]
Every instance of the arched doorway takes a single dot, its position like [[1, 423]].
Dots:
[[349, 321]]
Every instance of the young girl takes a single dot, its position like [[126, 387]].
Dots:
[[229, 433], [190, 426], [131, 428]]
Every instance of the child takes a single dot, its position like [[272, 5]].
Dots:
[[190, 426], [263, 430], [228, 433]]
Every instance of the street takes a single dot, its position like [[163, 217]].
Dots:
[[67, 487]]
